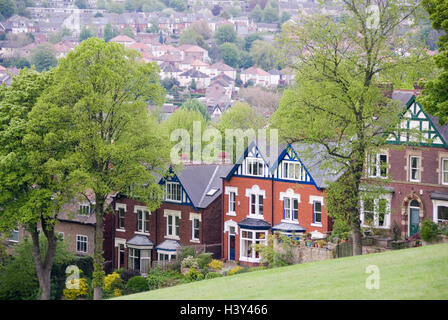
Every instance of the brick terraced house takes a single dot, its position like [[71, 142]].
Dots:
[[415, 159], [284, 192], [190, 215]]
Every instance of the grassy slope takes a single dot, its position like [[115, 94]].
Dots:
[[416, 273]]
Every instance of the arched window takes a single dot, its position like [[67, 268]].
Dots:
[[414, 203]]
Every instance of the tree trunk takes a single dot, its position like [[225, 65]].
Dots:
[[43, 269], [98, 277], [357, 172]]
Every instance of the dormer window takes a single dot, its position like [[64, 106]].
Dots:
[[84, 209], [173, 192], [255, 167], [293, 170]]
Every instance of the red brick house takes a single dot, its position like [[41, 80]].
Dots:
[[263, 194], [416, 162], [190, 215]]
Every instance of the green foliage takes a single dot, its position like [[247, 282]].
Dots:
[[43, 58], [263, 54], [194, 275], [435, 95], [204, 259], [195, 105], [7, 8], [137, 284], [230, 54], [250, 38], [278, 257], [110, 32], [256, 14], [81, 4], [212, 275], [225, 33], [17, 61], [85, 34], [190, 36], [127, 274], [235, 270], [190, 262], [270, 15], [430, 231], [18, 279], [216, 264], [128, 32], [82, 291], [159, 279]]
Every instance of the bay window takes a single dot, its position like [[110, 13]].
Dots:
[[375, 212], [250, 238]]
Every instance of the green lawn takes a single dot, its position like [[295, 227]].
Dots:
[[416, 273]]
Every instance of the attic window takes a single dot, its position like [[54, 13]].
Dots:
[[84, 209], [212, 191]]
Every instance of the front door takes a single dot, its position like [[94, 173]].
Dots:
[[414, 218], [232, 247]]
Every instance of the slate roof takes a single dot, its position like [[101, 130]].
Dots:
[[192, 73], [288, 227], [254, 224], [198, 180], [439, 196], [140, 240], [169, 245]]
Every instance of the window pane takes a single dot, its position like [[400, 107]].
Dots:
[[382, 211], [383, 165], [260, 204], [442, 213], [368, 210]]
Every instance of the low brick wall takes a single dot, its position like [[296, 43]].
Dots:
[[304, 254]]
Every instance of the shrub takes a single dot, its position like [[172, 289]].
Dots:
[[235, 270], [113, 281], [204, 259], [137, 284], [194, 275], [216, 264], [212, 275], [86, 265], [430, 231], [82, 291], [128, 274], [188, 251], [190, 262]]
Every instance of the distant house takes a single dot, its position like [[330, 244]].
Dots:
[[267, 27], [18, 24], [169, 70], [123, 39], [195, 53], [202, 80], [218, 93], [220, 67], [257, 75]]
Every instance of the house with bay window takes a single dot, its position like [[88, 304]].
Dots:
[[415, 161], [282, 192], [190, 215]]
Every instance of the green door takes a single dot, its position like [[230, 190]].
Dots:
[[414, 220]]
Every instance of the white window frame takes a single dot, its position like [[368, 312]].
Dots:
[[377, 166], [387, 215], [11, 239], [169, 194], [436, 204], [260, 164], [292, 196], [302, 172], [79, 239], [312, 201], [145, 220], [119, 206], [175, 215], [170, 255], [229, 191], [257, 192], [252, 241], [195, 217], [442, 171], [418, 168], [291, 209], [82, 207]]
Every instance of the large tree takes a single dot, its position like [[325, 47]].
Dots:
[[34, 180], [225, 33], [43, 57], [100, 96], [337, 105], [435, 95]]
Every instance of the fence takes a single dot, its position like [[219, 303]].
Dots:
[[344, 249]]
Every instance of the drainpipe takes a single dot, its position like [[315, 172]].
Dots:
[[272, 200], [222, 218]]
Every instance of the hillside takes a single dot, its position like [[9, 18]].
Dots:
[[416, 273]]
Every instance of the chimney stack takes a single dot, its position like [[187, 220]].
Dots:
[[417, 87]]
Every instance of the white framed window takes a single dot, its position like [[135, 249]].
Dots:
[[256, 204], [414, 168], [442, 214], [375, 212], [291, 209], [81, 243], [255, 167], [377, 165], [317, 212], [173, 191], [142, 220], [14, 235], [166, 256], [232, 196], [61, 236], [84, 209], [195, 229], [139, 259], [444, 171], [293, 170], [248, 239], [121, 214], [172, 225]]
